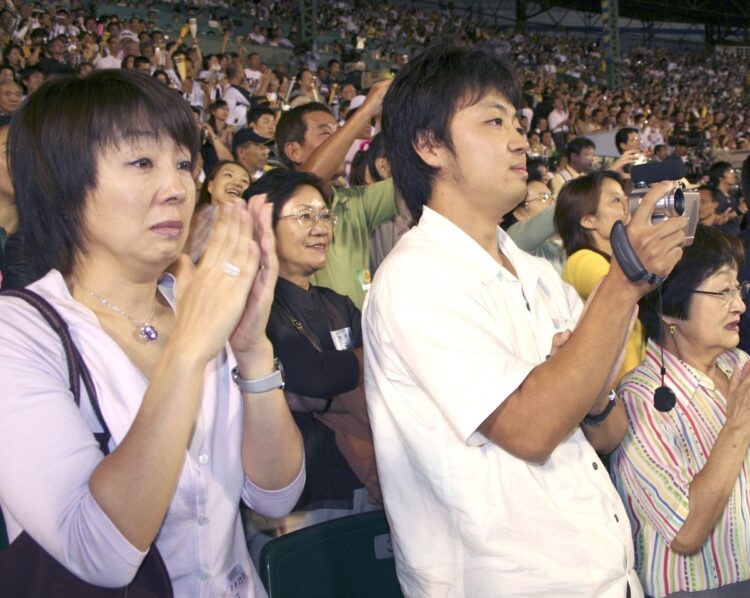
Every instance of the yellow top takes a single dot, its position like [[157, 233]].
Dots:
[[583, 270]]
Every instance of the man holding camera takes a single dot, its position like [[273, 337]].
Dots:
[[486, 410]]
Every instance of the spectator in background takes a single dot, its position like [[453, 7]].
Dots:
[[586, 210], [580, 154], [308, 139], [112, 58], [559, 122], [262, 120], [251, 150], [661, 152], [11, 96], [32, 78], [724, 181], [237, 96], [56, 60]]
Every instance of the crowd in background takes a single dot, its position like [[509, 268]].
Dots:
[[309, 124]]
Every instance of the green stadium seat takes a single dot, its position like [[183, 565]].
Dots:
[[350, 556]]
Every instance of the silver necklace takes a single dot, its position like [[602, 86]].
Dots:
[[146, 331]]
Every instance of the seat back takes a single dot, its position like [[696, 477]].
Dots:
[[350, 556]]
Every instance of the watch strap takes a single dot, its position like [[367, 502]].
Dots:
[[594, 420], [272, 381]]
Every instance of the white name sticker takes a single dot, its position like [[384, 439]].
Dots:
[[342, 339]]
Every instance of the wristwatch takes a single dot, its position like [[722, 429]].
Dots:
[[273, 381]]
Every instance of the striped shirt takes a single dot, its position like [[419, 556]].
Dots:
[[657, 461]]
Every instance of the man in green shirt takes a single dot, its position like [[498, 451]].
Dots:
[[308, 138]]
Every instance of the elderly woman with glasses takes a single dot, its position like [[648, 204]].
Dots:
[[587, 208], [683, 472], [317, 336]]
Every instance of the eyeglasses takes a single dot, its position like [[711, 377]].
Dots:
[[544, 198], [728, 295], [307, 217]]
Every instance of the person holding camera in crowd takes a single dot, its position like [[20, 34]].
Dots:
[[485, 418]]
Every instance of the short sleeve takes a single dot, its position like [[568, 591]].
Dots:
[[379, 203], [584, 269], [462, 362]]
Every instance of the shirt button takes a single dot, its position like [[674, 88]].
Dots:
[[202, 520], [203, 459], [617, 518], [204, 576], [595, 465]]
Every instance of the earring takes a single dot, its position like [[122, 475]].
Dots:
[[672, 328]]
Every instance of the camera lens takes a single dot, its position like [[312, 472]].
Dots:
[[679, 202]]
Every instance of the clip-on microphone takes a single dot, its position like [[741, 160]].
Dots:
[[664, 397]]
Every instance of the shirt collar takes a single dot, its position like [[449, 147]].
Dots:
[[446, 233], [686, 375], [53, 284]]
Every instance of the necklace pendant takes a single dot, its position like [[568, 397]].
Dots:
[[148, 333]]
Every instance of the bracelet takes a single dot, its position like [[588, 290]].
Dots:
[[594, 420]]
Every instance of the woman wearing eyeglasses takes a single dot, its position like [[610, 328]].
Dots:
[[317, 336], [586, 209], [538, 199], [683, 473]]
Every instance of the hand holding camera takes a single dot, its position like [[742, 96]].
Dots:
[[664, 219]]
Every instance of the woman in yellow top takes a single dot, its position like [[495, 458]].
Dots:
[[586, 209]]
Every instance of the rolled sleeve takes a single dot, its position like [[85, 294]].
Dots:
[[274, 503]]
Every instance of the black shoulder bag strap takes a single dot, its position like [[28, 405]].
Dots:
[[26, 569]]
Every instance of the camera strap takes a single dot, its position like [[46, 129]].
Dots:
[[628, 259]]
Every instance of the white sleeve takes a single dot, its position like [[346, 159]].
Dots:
[[49, 454], [274, 503], [452, 349]]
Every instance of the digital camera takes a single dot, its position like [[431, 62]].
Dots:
[[677, 202]]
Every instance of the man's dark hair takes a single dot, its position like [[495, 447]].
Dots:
[[622, 135], [281, 184], [421, 103], [292, 127], [254, 114], [534, 168], [711, 250], [577, 145], [141, 60], [91, 114], [658, 147], [580, 197], [232, 71], [333, 61], [717, 170]]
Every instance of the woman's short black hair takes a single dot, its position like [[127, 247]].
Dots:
[[422, 101], [280, 184], [711, 250], [56, 138], [580, 197]]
